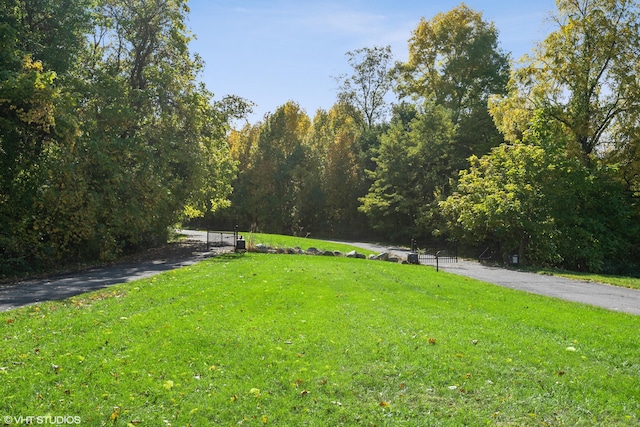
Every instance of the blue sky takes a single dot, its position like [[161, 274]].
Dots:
[[272, 51]]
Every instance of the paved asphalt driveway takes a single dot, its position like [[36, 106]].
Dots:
[[60, 287], [64, 286], [606, 296]]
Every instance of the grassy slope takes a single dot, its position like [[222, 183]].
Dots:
[[281, 241], [293, 340]]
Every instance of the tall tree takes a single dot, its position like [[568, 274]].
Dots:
[[278, 169], [366, 88], [455, 61], [539, 201], [454, 58], [105, 134], [335, 134], [37, 154], [582, 78], [242, 146], [154, 139], [582, 75], [411, 172]]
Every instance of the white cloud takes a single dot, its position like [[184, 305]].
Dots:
[[332, 18]]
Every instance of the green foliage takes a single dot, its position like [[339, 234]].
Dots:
[[454, 66], [545, 204], [105, 134], [342, 168], [295, 340], [276, 175], [299, 176], [502, 195], [580, 78], [582, 74], [366, 89], [27, 118], [455, 60], [454, 56], [49, 31], [412, 169]]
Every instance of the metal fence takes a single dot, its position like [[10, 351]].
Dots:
[[219, 239], [435, 253]]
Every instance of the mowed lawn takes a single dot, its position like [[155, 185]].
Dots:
[[290, 340]]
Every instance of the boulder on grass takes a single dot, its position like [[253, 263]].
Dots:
[[384, 256], [352, 254], [262, 248]]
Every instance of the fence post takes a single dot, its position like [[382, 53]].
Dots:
[[235, 237]]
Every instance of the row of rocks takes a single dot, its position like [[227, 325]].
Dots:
[[384, 256]]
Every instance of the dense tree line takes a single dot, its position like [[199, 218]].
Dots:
[[364, 167], [538, 159], [107, 140], [563, 189], [105, 136]]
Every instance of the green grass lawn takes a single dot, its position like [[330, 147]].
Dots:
[[281, 241], [290, 340]]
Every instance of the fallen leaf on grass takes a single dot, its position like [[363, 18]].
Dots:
[[115, 414]]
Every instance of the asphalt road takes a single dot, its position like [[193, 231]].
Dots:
[[64, 286], [597, 294]]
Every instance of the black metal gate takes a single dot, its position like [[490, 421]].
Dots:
[[435, 253], [220, 239]]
